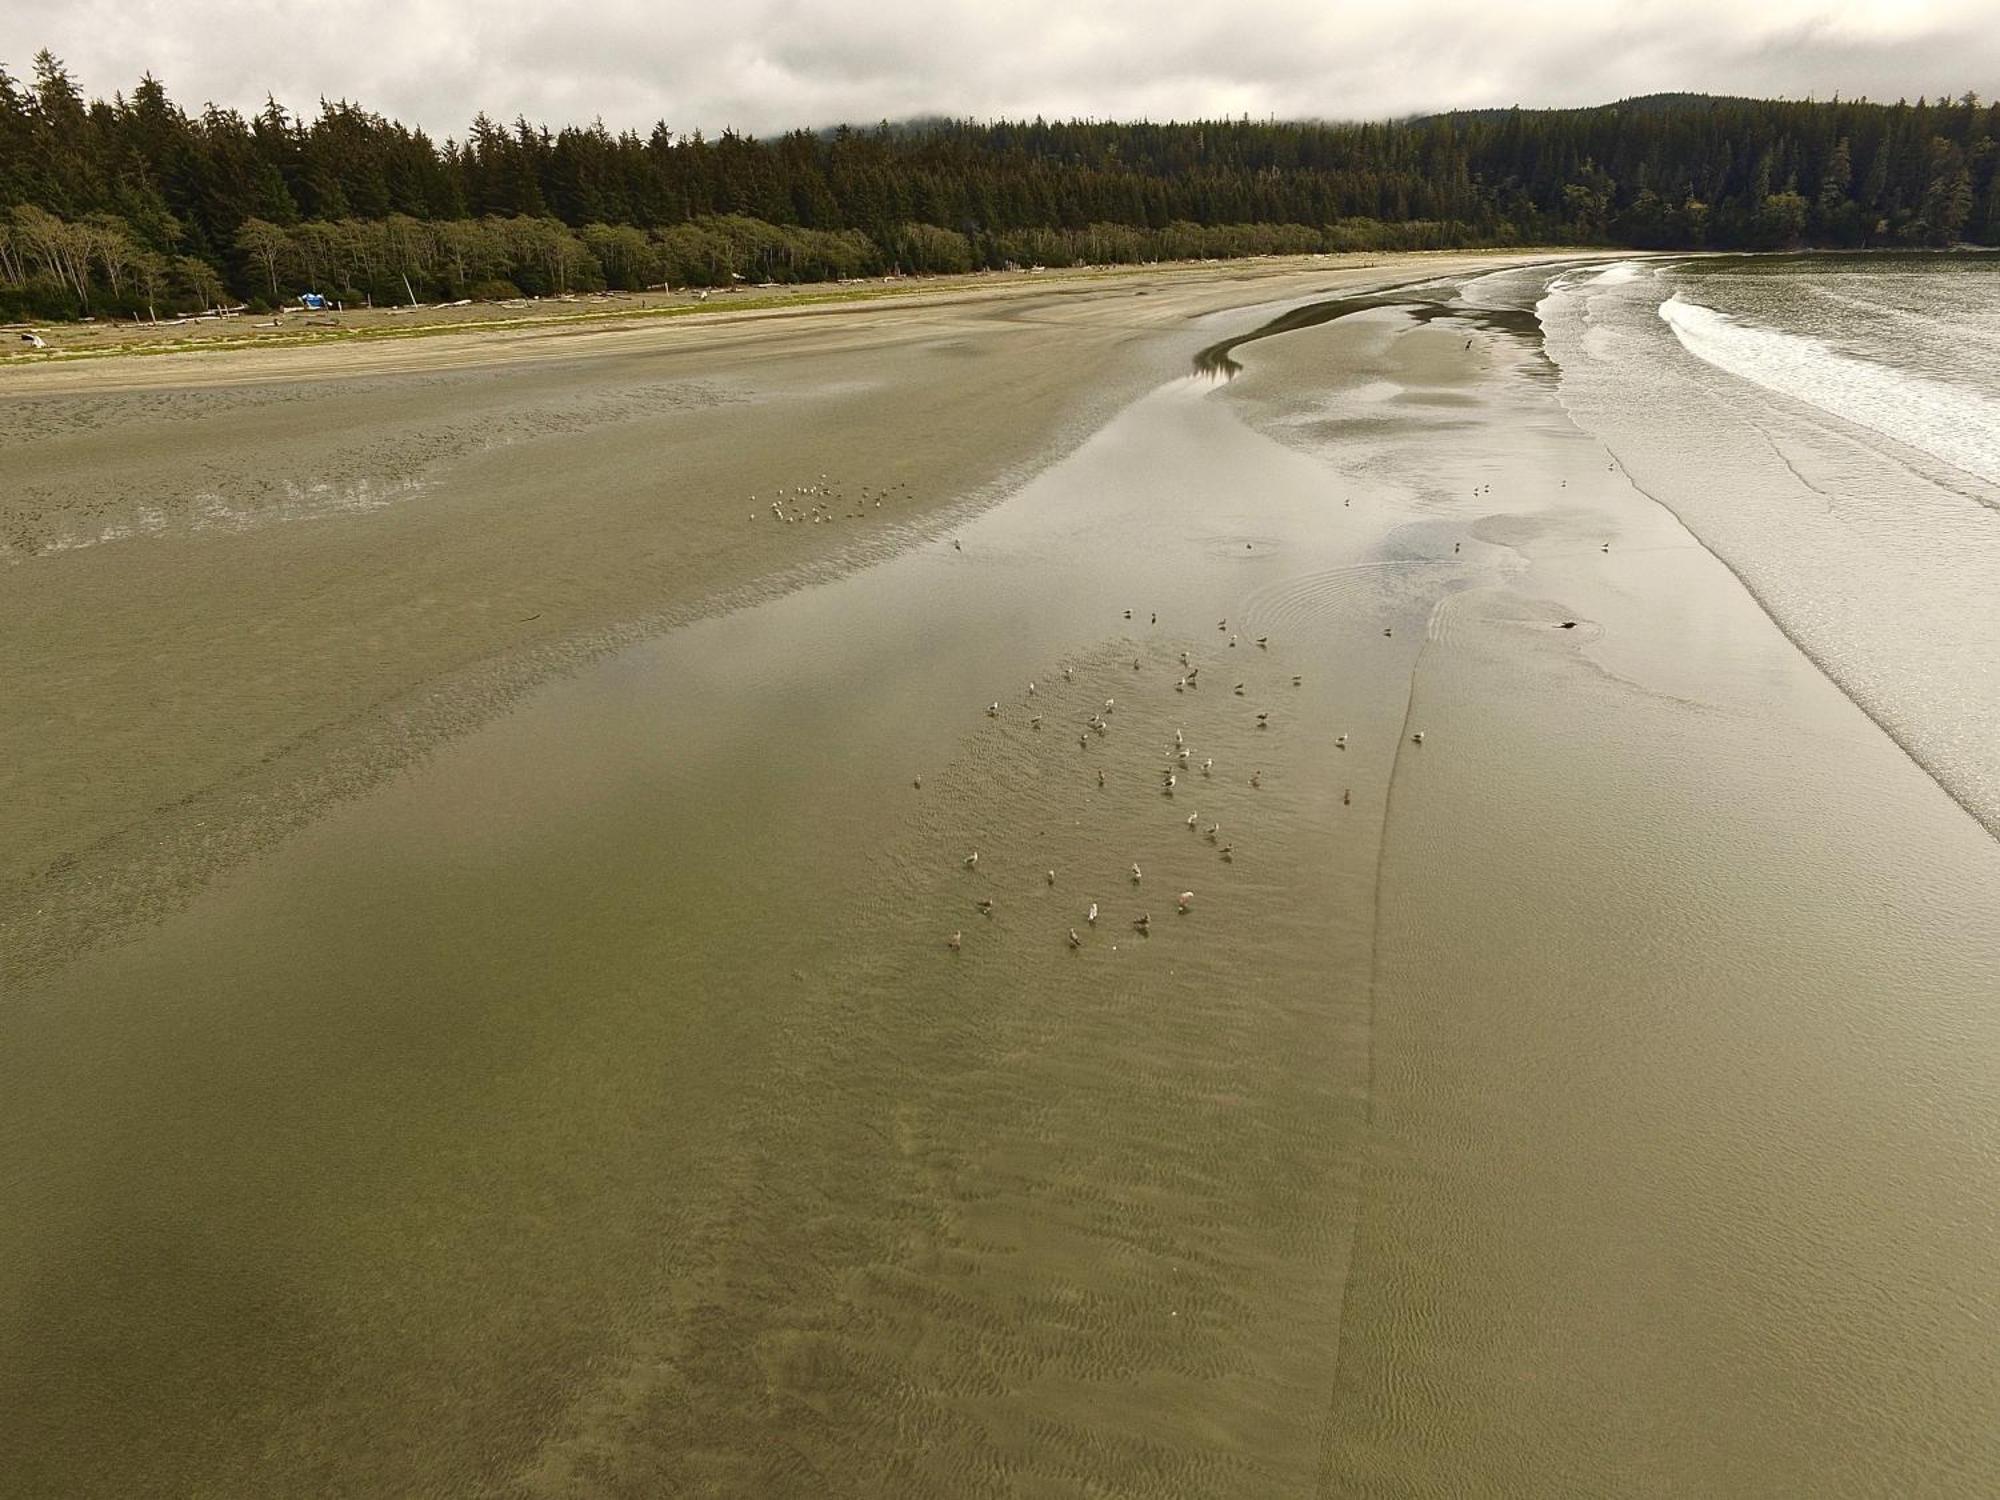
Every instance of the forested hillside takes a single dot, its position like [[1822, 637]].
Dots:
[[137, 205]]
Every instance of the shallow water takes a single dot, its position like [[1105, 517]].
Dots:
[[597, 1109]]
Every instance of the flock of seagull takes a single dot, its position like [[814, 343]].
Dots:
[[1179, 763], [829, 503]]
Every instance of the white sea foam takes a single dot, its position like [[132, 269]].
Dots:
[[1957, 426]]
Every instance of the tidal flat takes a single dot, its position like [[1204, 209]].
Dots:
[[500, 997]]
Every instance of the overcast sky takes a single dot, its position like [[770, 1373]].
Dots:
[[767, 65]]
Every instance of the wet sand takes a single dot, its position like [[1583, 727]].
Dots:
[[239, 586], [1589, 1099]]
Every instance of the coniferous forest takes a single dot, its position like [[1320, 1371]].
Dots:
[[137, 205]]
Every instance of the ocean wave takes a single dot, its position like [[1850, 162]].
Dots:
[[1953, 425]]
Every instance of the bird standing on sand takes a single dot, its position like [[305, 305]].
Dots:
[[993, 710], [972, 860], [1347, 797], [1193, 818], [1297, 679], [1052, 877], [1143, 922], [1100, 777], [1136, 877], [1256, 778], [1092, 917], [955, 546], [1340, 742], [1208, 765], [1186, 900], [1074, 940], [1264, 642], [1417, 738], [954, 940], [918, 783], [985, 907]]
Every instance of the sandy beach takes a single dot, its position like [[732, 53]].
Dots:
[[1170, 935]]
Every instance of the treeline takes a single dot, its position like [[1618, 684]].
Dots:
[[136, 203]]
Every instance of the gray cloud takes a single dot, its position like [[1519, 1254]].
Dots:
[[767, 65]]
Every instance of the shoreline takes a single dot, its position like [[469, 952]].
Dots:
[[638, 309]]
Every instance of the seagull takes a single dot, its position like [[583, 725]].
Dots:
[[993, 710], [1108, 702], [1417, 738], [1170, 783], [955, 546], [1143, 922], [1340, 743], [1229, 854], [1083, 742], [1128, 614], [1387, 631], [1184, 755], [1256, 778], [953, 941], [1135, 874], [918, 783], [1035, 720], [1179, 738], [1066, 674], [1208, 765], [1186, 900], [1100, 776], [1213, 830], [1264, 641], [972, 860], [1031, 690], [1239, 690], [985, 907], [1263, 720], [1297, 679], [1184, 658], [1074, 940], [1052, 877], [1193, 818], [1347, 797], [1092, 918]]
